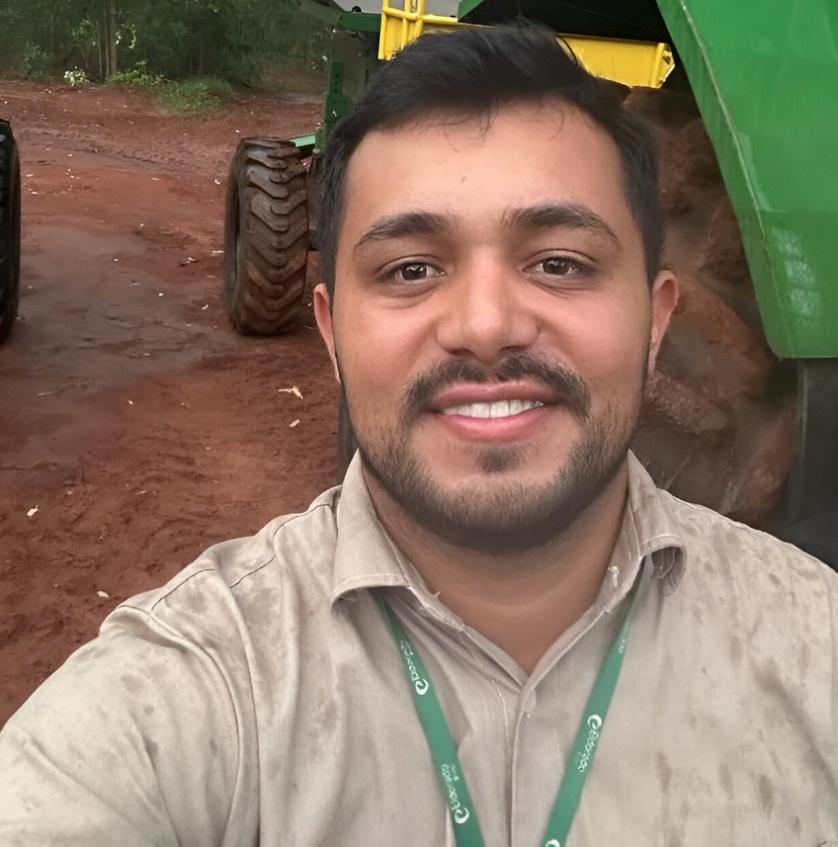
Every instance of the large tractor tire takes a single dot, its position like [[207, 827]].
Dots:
[[9, 231], [266, 236], [719, 419]]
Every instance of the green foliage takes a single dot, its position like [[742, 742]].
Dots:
[[177, 39], [200, 94], [137, 77], [34, 62], [76, 77]]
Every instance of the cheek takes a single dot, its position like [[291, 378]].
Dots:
[[609, 347], [379, 352]]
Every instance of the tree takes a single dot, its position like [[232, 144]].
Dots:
[[176, 38]]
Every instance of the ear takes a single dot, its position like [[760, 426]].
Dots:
[[665, 294], [323, 316]]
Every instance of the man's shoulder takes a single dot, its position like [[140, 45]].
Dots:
[[160, 652], [291, 552], [750, 564]]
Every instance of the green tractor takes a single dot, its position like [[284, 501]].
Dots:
[[743, 414], [9, 230]]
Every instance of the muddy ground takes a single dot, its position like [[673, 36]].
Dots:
[[136, 428]]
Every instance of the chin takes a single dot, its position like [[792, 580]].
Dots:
[[513, 463]]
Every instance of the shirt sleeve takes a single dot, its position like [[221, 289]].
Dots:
[[133, 741]]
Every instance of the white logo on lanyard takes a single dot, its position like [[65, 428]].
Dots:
[[594, 723], [451, 776], [461, 816], [419, 682]]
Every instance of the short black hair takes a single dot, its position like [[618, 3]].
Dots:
[[474, 72]]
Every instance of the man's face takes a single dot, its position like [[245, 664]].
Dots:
[[492, 323]]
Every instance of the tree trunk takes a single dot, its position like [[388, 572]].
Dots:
[[106, 40], [110, 37], [306, 40], [99, 51]]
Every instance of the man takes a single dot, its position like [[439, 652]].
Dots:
[[498, 631]]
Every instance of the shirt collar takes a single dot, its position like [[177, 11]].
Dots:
[[366, 557], [651, 527]]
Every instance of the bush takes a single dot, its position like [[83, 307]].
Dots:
[[199, 94], [137, 77], [35, 62], [76, 77]]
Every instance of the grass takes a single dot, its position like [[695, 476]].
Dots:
[[137, 77], [199, 94], [183, 96]]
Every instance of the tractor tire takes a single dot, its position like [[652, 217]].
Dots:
[[719, 417], [266, 236], [9, 233]]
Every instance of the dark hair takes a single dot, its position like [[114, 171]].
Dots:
[[476, 71]]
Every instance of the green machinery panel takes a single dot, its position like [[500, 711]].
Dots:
[[765, 75]]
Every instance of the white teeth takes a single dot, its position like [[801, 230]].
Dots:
[[498, 409]]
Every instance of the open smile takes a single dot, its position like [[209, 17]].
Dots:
[[498, 409], [499, 412]]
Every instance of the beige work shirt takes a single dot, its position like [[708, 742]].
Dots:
[[258, 698]]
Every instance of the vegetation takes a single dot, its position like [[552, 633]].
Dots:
[[198, 94], [195, 94], [146, 42], [34, 62], [137, 77]]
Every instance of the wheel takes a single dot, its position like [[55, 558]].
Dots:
[[719, 419], [9, 231], [266, 236]]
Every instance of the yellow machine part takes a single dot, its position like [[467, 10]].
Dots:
[[402, 25], [633, 63]]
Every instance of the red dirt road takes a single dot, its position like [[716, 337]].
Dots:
[[132, 418]]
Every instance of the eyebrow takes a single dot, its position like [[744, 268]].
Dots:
[[405, 224], [559, 215], [542, 216]]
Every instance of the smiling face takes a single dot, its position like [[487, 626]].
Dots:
[[493, 321]]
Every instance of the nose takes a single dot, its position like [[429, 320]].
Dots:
[[485, 313]]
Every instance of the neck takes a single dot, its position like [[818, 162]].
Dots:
[[522, 602]]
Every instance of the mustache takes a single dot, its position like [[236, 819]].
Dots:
[[569, 386]]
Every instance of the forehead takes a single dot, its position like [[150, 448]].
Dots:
[[473, 170]]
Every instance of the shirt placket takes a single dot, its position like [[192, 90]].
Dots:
[[552, 705]]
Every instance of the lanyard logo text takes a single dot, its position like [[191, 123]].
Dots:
[[458, 811], [419, 682], [594, 725]]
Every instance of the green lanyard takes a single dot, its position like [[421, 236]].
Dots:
[[448, 768]]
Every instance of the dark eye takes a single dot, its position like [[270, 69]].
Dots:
[[560, 266], [413, 272]]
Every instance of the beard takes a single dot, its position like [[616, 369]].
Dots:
[[491, 514]]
